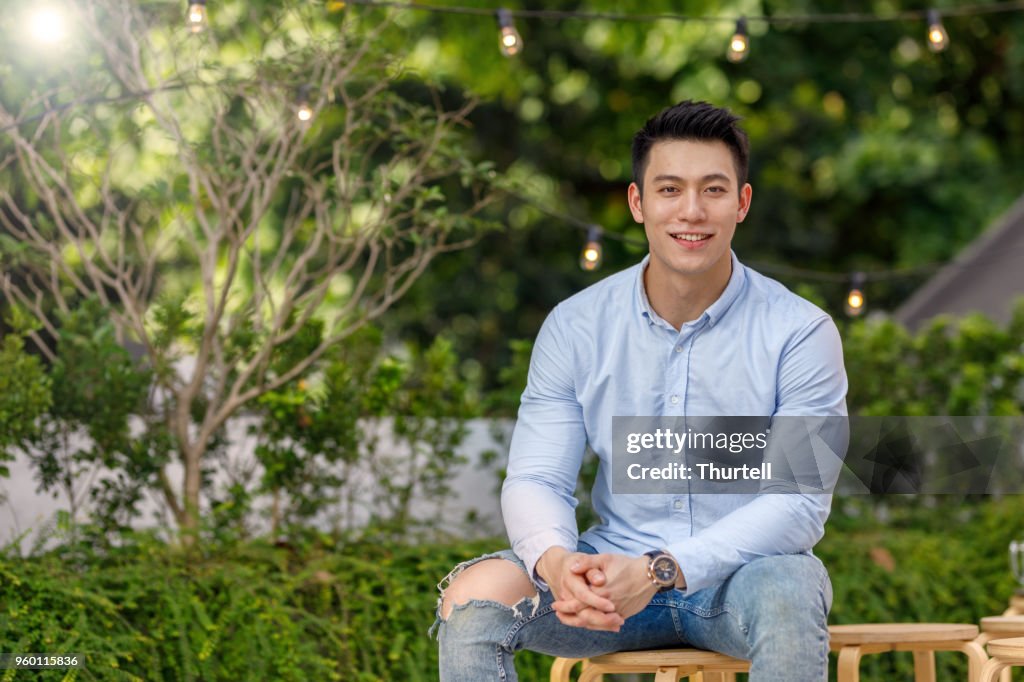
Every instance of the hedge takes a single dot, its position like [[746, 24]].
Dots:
[[360, 612]]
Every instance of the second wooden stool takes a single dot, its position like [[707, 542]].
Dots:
[[923, 639]]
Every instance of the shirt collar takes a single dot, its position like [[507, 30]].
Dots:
[[714, 312]]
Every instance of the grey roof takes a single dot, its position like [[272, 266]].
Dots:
[[986, 277]]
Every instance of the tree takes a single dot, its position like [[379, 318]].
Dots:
[[869, 152], [167, 178]]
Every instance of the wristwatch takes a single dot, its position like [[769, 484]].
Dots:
[[662, 569]]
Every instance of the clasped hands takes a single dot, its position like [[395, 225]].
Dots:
[[596, 591]]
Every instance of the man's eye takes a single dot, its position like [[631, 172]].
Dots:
[[716, 190]]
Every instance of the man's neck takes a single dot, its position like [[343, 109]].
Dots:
[[679, 298]]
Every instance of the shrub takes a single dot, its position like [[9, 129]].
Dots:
[[360, 612]]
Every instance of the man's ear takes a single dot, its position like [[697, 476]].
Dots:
[[745, 193], [635, 206]]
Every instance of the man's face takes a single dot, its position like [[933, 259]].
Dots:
[[690, 206]]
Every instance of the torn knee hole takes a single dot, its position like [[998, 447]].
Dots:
[[525, 607]]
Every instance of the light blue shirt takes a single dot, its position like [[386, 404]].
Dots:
[[759, 350]]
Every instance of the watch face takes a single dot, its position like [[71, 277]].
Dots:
[[664, 570]]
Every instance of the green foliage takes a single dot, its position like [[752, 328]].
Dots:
[[73, 415], [396, 420], [360, 612], [964, 367], [231, 243], [24, 395], [939, 562], [869, 152], [96, 384], [143, 611]]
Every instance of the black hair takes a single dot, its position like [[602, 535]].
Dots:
[[691, 120]]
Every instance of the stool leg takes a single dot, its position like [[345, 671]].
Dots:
[[848, 669], [1006, 676], [976, 658], [670, 674], [717, 677], [591, 672], [561, 669], [924, 666], [991, 670]]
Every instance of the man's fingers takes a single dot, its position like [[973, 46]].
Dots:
[[578, 589], [584, 562], [592, 620], [589, 566], [568, 606]]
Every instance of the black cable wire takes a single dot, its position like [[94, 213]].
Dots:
[[836, 18]]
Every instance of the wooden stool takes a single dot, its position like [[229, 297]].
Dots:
[[1004, 653], [1001, 627], [923, 639], [668, 665]]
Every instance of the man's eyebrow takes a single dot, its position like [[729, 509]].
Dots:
[[707, 178]]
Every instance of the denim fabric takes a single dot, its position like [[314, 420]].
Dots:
[[772, 611]]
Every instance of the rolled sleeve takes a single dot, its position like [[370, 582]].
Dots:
[[547, 449]]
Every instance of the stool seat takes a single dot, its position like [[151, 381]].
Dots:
[[899, 633], [671, 657], [1008, 625], [923, 639], [1010, 648], [668, 665]]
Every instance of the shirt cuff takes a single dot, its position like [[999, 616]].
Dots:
[[699, 568], [531, 549]]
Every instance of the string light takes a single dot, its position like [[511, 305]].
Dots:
[[855, 299], [304, 112], [196, 16], [739, 44], [780, 19], [938, 39], [46, 26], [509, 40], [592, 253]]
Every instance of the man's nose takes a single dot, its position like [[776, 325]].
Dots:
[[691, 207]]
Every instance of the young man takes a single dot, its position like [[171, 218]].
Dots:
[[688, 331]]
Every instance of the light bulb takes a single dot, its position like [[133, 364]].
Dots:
[[510, 42], [46, 25], [739, 44], [304, 112], [592, 253], [938, 39], [196, 16], [855, 299]]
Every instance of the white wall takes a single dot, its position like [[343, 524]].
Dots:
[[27, 511]]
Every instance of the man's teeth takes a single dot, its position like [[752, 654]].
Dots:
[[691, 237]]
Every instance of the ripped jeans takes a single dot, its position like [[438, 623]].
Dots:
[[772, 612]]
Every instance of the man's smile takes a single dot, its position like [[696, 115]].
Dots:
[[690, 240]]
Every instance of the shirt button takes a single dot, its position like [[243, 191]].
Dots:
[[678, 504], [679, 349], [674, 400]]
